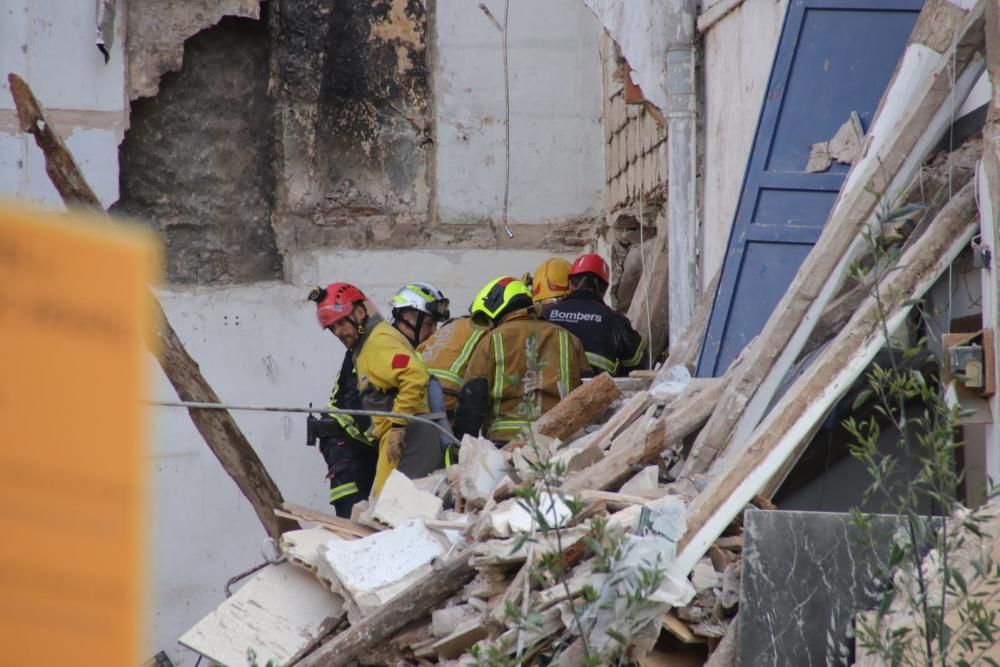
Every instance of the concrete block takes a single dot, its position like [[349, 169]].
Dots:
[[481, 466], [373, 570], [647, 479], [461, 639], [704, 577], [401, 500]]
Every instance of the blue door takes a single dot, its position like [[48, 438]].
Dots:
[[834, 57]]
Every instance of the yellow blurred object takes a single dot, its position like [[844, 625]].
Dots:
[[551, 280], [75, 314]]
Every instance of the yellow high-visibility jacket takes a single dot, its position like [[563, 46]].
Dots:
[[446, 355], [388, 365], [502, 359]]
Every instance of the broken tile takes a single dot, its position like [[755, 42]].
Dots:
[[646, 479]]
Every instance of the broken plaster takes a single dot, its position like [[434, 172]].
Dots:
[[157, 30]]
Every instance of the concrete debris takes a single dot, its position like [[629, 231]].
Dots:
[[480, 469], [279, 614], [844, 148], [647, 479], [401, 499], [671, 385], [301, 547]]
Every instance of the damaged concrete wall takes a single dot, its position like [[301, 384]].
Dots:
[[635, 159], [197, 160], [353, 91], [51, 45], [555, 106], [738, 52], [157, 30]]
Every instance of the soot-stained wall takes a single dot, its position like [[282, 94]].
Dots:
[[197, 161]]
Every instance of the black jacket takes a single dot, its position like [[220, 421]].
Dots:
[[611, 343]]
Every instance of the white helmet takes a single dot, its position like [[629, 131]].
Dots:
[[422, 297]]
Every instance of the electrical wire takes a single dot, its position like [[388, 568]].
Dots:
[[506, 125]]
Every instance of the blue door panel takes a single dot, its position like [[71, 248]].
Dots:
[[763, 264], [834, 57]]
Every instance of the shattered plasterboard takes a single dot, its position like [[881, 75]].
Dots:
[[373, 570], [278, 614]]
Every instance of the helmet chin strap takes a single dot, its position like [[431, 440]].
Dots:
[[358, 326], [414, 328]]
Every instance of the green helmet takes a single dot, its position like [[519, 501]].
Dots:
[[497, 297]]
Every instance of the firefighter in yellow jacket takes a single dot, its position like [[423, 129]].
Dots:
[[391, 378], [446, 355], [521, 368]]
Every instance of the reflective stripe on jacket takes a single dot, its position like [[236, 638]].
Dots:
[[503, 360], [446, 355], [611, 342]]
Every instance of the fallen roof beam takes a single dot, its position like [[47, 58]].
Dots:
[[783, 435], [217, 427], [914, 113]]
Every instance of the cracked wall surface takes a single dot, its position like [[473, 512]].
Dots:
[[319, 123], [197, 159], [156, 30]]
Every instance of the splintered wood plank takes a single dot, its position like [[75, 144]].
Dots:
[[783, 435], [279, 614]]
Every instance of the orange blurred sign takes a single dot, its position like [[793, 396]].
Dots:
[[74, 318]]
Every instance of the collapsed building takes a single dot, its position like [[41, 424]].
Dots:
[[722, 157]]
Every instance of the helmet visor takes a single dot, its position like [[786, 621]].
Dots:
[[439, 309]]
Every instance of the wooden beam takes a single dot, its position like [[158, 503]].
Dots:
[[680, 419], [913, 114], [989, 196], [416, 601], [782, 436], [217, 427], [584, 405]]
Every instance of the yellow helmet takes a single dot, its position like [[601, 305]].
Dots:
[[551, 279], [496, 297]]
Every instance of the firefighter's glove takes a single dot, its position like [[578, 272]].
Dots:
[[394, 444]]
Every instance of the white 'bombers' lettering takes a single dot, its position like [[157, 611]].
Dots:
[[563, 316]]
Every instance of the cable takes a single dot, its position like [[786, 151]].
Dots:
[[506, 125], [427, 418]]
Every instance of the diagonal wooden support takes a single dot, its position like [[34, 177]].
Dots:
[[217, 427], [781, 437], [940, 66]]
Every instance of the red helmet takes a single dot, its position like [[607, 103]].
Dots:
[[335, 302], [591, 263]]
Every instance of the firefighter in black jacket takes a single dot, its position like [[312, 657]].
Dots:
[[349, 450], [611, 343]]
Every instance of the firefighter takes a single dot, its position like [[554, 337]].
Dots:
[[417, 310], [349, 451], [611, 343], [551, 281], [522, 367], [391, 378], [446, 355]]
